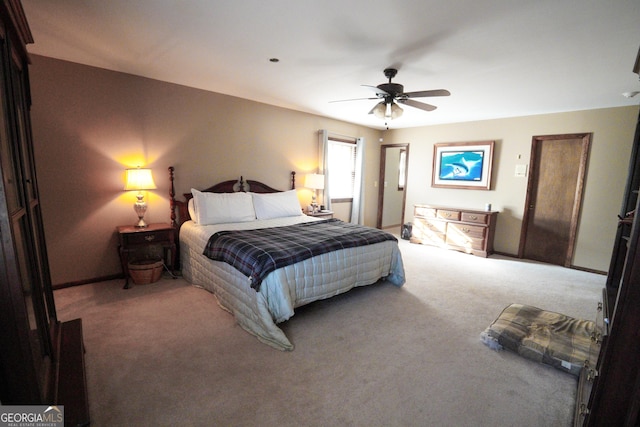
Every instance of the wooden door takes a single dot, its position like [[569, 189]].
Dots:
[[392, 189], [554, 196]]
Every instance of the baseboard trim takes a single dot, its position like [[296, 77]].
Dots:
[[504, 254], [589, 270], [574, 267], [87, 281]]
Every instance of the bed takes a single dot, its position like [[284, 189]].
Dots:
[[260, 300]]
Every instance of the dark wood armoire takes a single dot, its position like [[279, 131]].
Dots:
[[614, 398], [41, 359]]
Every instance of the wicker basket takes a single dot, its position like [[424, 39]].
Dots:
[[146, 271]]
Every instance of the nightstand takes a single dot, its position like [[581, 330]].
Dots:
[[134, 239], [322, 214]]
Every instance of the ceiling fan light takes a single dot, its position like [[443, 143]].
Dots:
[[380, 110], [396, 111]]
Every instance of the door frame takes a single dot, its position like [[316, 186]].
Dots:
[[383, 159], [577, 201]]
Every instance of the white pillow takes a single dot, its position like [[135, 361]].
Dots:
[[192, 210], [276, 205], [219, 208]]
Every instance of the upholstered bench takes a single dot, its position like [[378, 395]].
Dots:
[[543, 336]]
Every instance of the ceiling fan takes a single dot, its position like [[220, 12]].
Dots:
[[393, 94]]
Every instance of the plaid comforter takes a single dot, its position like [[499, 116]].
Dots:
[[256, 253]]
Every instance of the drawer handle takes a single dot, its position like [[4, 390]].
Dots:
[[150, 238], [466, 230], [473, 217], [448, 215]]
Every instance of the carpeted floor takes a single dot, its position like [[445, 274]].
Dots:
[[165, 354]]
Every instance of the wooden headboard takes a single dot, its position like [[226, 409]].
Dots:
[[231, 186]]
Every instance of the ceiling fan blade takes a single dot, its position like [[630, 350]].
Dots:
[[354, 99], [381, 93], [425, 93], [416, 104]]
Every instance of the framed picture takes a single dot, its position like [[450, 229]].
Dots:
[[462, 165]]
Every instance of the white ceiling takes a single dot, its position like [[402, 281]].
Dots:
[[497, 58]]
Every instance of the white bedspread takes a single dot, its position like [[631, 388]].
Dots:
[[285, 289]]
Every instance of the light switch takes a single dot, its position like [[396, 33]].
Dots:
[[521, 170]]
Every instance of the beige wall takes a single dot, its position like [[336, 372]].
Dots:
[[611, 143], [89, 124]]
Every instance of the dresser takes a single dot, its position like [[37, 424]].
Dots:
[[460, 229]]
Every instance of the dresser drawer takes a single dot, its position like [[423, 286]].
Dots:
[[429, 238], [470, 243], [424, 211], [432, 231], [465, 241], [474, 217], [435, 225], [147, 237], [448, 215], [469, 231]]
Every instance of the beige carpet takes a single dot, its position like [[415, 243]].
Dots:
[[165, 354]]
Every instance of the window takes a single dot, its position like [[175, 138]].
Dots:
[[402, 162], [342, 169], [341, 160]]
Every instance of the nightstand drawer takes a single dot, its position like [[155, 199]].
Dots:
[[146, 237], [322, 214]]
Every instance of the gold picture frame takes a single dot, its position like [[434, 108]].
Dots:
[[465, 165]]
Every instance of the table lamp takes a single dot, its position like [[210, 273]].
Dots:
[[314, 181], [139, 180]]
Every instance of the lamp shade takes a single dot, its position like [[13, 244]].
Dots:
[[380, 110], [314, 181], [396, 111], [139, 179], [390, 110]]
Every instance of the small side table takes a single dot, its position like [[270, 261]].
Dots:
[[133, 238], [322, 214]]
